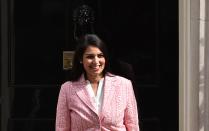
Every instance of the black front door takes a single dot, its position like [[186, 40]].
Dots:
[[142, 34]]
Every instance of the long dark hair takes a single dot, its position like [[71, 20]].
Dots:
[[84, 42]]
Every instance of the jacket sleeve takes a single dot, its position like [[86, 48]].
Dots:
[[62, 113], [131, 112]]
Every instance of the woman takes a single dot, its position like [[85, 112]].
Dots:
[[94, 99]]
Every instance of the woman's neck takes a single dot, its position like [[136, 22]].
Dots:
[[94, 79]]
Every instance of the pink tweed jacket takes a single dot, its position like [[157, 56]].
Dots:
[[75, 110]]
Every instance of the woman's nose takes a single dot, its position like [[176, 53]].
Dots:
[[96, 59]]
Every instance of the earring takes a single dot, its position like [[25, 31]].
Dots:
[[81, 62]]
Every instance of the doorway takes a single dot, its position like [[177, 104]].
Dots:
[[142, 34]]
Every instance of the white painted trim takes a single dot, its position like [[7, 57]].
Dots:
[[206, 93], [188, 67], [184, 28]]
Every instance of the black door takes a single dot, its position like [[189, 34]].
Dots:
[[142, 34]]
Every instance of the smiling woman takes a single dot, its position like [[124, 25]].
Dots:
[[82, 101]]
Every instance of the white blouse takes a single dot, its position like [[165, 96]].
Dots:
[[97, 100]]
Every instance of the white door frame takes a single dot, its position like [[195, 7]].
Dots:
[[188, 65]]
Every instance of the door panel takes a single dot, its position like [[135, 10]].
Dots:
[[39, 34]]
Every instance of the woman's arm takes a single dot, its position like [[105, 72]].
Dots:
[[131, 111], [62, 114]]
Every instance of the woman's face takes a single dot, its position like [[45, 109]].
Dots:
[[93, 62]]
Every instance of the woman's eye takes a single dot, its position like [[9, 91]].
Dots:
[[90, 57], [100, 55], [93, 56]]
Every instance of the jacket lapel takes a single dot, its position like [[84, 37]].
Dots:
[[109, 92], [83, 94]]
